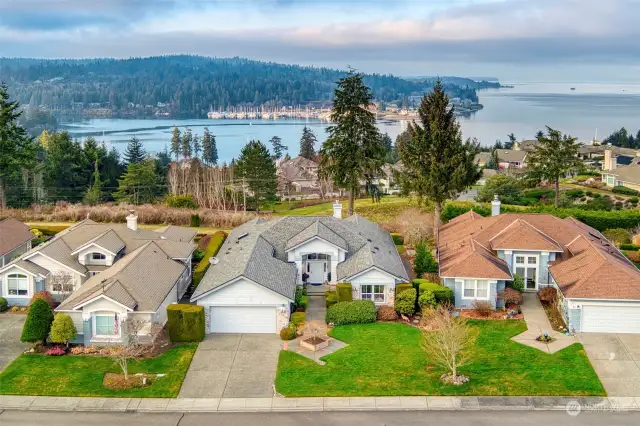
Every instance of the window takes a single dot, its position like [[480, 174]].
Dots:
[[62, 287], [374, 292], [526, 267], [475, 289], [98, 256], [105, 324], [17, 285]]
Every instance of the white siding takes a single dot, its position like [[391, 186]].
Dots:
[[103, 304], [54, 267], [161, 315], [82, 256], [3, 279], [374, 276], [243, 292]]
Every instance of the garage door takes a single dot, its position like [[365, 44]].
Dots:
[[611, 319], [243, 319]]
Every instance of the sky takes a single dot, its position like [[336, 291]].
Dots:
[[514, 40]]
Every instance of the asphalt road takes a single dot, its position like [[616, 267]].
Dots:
[[386, 418]]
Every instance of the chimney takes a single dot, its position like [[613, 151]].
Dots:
[[495, 206], [132, 220], [609, 162], [337, 210]]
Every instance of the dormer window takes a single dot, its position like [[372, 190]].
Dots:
[[98, 256]]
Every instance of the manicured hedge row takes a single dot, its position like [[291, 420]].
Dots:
[[212, 249], [185, 322], [344, 292], [354, 312], [402, 287], [441, 292], [629, 247], [624, 190]]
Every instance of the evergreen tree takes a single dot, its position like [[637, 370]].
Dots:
[[93, 195], [539, 134], [387, 142], [494, 162], [139, 184], [187, 140], [437, 164], [354, 150], [17, 149], [176, 142], [553, 158], [197, 148], [512, 140], [112, 169], [68, 170], [258, 171], [308, 143], [278, 147], [209, 148], [38, 323], [62, 330], [135, 152]]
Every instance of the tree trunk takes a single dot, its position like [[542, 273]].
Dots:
[[436, 220], [3, 198], [454, 370], [352, 197], [557, 192]]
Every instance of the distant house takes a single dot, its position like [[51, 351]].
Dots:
[[599, 288], [297, 175], [15, 239], [528, 145], [507, 158], [620, 170]]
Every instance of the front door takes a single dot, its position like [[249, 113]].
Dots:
[[527, 268], [317, 271]]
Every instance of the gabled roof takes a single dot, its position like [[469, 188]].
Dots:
[[317, 229], [31, 267], [629, 174], [511, 156], [13, 234], [108, 240], [521, 235], [178, 233]]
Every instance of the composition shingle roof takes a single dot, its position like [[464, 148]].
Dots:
[[108, 240], [630, 173], [317, 229], [13, 234], [511, 156]]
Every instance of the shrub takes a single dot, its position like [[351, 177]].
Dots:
[[424, 261], [212, 249], [511, 296], [55, 351], [405, 302], [632, 247], [427, 300], [397, 239], [589, 193], [194, 222], [298, 318], [548, 294], [482, 307], [441, 293], [387, 313], [288, 333], [539, 194], [344, 292], [618, 236], [354, 312], [402, 287], [299, 298], [62, 330], [634, 200], [3, 304], [517, 283], [330, 298], [44, 295], [574, 193], [624, 190], [182, 201], [185, 323], [38, 323], [198, 255]]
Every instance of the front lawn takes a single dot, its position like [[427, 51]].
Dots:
[[387, 359], [82, 375]]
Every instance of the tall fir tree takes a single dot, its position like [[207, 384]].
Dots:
[[354, 150], [93, 195], [135, 152], [68, 170], [209, 149], [553, 158], [278, 147], [387, 142], [308, 143], [186, 144], [494, 162], [197, 147], [258, 171], [437, 164], [176, 143], [139, 184]]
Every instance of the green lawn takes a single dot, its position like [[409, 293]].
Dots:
[[386, 359], [82, 375]]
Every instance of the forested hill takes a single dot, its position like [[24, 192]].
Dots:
[[187, 85]]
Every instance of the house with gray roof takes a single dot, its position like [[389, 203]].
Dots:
[[251, 283], [104, 274], [15, 239]]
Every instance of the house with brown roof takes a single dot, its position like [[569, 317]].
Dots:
[[599, 288], [15, 239], [104, 274]]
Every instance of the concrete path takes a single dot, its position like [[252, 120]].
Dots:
[[316, 309], [10, 345], [537, 324], [616, 359], [233, 365]]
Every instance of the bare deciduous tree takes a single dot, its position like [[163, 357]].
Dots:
[[61, 282], [130, 348], [448, 340]]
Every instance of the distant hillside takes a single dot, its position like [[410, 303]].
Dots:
[[187, 86], [475, 83]]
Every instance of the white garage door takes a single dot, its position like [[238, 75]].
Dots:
[[243, 319], [611, 319]]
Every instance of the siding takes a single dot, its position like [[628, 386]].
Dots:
[[574, 316], [243, 293], [375, 276], [161, 314], [467, 303]]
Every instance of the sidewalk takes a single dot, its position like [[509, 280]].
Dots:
[[393, 403]]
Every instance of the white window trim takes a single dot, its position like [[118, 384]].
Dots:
[[105, 314], [373, 293], [475, 289], [23, 296], [526, 265]]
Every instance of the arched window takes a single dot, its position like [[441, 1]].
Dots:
[[17, 285]]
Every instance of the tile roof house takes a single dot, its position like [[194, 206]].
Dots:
[[105, 273], [599, 286], [15, 239], [251, 283]]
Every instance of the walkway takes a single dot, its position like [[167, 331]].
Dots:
[[10, 345], [537, 324]]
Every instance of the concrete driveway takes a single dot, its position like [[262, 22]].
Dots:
[[233, 366], [616, 359], [10, 344]]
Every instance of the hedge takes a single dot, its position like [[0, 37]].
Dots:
[[298, 318], [632, 247], [3, 304], [185, 323], [344, 292], [442, 293], [50, 230], [397, 239], [402, 287], [405, 302], [624, 190], [354, 312], [330, 298], [212, 249]]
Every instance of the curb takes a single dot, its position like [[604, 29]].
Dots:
[[573, 405]]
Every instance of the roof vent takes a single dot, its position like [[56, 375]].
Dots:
[[376, 247], [243, 235], [594, 235], [213, 260], [369, 239]]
